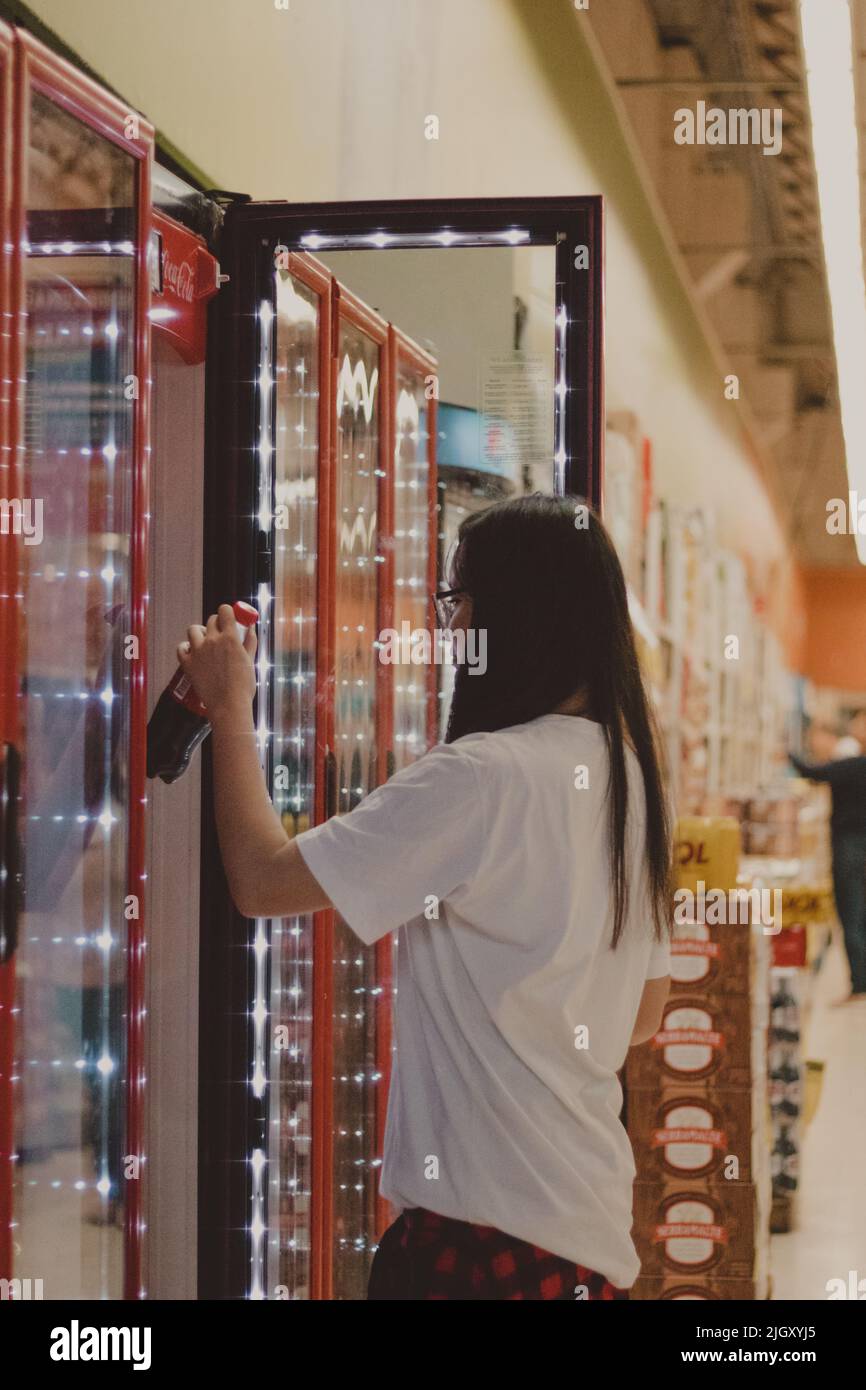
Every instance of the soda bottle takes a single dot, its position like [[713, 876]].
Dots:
[[787, 1151], [179, 722]]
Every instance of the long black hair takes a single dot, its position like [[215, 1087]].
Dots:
[[547, 587]]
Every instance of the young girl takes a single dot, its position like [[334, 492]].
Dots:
[[525, 861]]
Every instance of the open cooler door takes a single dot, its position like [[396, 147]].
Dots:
[[74, 191], [322, 509], [9, 756]]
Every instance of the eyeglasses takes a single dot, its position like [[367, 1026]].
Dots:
[[445, 601]]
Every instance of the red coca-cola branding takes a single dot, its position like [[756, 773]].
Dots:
[[179, 277], [181, 687], [183, 690], [185, 277]]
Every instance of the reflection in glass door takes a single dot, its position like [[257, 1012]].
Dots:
[[413, 692], [414, 408], [301, 351], [8, 731], [77, 607], [359, 352], [334, 738]]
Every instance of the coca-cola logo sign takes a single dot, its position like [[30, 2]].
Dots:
[[188, 278], [179, 278]]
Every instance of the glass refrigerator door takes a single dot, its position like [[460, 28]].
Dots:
[[80, 296], [301, 376], [414, 422], [413, 689], [8, 794], [359, 738], [333, 702], [342, 547]]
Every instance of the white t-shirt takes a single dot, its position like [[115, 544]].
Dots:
[[513, 1014]]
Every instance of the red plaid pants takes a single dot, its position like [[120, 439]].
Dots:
[[427, 1256]]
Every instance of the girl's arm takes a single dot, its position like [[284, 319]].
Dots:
[[813, 772], [651, 1010], [266, 874]]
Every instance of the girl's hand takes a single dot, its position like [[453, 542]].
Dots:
[[219, 664]]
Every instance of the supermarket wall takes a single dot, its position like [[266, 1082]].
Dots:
[[327, 100], [835, 641]]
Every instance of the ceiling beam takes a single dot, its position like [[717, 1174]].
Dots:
[[710, 84], [721, 274]]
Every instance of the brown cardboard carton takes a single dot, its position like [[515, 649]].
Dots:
[[694, 1287], [775, 810], [684, 1134], [703, 1041], [766, 838], [711, 958], [688, 1229]]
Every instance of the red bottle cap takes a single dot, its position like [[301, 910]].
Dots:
[[245, 614]]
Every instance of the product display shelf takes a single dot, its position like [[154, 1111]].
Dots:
[[714, 668]]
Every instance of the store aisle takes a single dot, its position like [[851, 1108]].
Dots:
[[830, 1238]]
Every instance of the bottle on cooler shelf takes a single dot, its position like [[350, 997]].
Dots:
[[179, 722], [785, 1162]]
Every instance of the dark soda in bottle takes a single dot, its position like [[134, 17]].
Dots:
[[179, 722]]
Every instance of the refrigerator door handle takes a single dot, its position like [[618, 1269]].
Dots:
[[330, 784], [10, 852]]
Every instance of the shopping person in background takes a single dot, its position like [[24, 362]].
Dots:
[[853, 743], [846, 778], [526, 861]]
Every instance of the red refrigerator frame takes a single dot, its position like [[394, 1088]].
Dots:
[[7, 642], [402, 348], [36, 68], [347, 306]]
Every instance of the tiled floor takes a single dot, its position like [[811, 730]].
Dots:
[[55, 1242], [830, 1236]]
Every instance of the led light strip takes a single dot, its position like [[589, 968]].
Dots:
[[78, 248], [259, 1012], [828, 47], [511, 236], [560, 393]]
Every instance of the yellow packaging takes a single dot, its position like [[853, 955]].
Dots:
[[807, 902], [706, 850]]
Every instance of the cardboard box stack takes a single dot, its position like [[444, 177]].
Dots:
[[771, 826], [769, 821], [697, 1105]]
